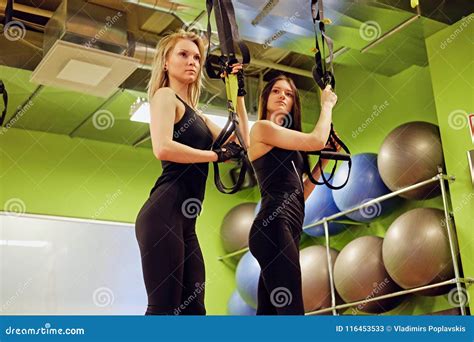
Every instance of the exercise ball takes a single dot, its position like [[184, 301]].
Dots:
[[237, 306], [318, 205], [363, 185], [359, 274], [411, 153], [416, 250], [315, 277], [235, 227], [247, 276]]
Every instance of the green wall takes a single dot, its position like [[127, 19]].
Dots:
[[55, 175], [451, 58]]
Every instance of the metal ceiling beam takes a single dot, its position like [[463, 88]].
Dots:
[[391, 32], [164, 6], [32, 10]]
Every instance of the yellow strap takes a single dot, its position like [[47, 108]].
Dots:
[[327, 21], [231, 89]]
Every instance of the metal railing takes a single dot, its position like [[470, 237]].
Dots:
[[440, 177]]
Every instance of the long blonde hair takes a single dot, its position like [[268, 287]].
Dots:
[[159, 77]]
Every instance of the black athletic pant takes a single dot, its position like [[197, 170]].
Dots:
[[276, 247], [172, 262]]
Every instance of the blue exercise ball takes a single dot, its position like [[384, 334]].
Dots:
[[237, 306], [247, 275], [364, 184], [318, 205]]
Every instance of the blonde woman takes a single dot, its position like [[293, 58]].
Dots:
[[172, 262]]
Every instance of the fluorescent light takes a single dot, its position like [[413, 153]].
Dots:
[[140, 112], [83, 72]]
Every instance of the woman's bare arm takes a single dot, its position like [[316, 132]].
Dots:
[[272, 134], [162, 116], [269, 133]]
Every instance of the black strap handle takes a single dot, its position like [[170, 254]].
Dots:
[[231, 127], [3, 91], [331, 153], [228, 36], [323, 74]]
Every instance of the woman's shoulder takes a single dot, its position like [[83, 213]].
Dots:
[[260, 126], [163, 94]]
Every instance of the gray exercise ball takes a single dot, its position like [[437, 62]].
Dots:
[[359, 274], [411, 153], [416, 250], [236, 225], [315, 277]]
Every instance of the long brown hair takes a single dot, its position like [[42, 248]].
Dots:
[[295, 114], [159, 77]]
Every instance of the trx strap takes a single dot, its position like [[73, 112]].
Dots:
[[3, 91], [228, 35], [323, 75]]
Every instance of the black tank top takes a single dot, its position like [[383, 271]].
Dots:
[[191, 130], [279, 174]]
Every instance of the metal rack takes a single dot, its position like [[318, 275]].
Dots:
[[440, 177]]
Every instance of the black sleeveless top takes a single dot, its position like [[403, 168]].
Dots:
[[279, 174], [191, 130]]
